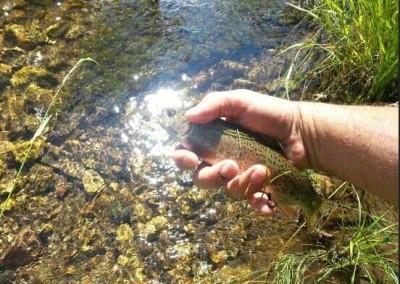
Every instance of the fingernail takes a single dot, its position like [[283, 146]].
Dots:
[[228, 171]]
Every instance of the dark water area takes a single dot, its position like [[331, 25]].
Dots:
[[99, 200]]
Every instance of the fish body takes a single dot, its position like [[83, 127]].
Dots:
[[219, 140]]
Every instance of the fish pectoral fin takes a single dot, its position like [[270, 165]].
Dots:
[[291, 212]]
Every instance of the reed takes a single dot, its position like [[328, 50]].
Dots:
[[360, 41]]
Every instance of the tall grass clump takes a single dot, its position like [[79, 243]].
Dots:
[[366, 252], [360, 41], [369, 255]]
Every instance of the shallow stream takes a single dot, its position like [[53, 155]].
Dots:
[[99, 200]]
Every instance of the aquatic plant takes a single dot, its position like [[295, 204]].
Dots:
[[39, 131], [360, 42]]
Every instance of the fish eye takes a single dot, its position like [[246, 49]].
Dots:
[[170, 112]]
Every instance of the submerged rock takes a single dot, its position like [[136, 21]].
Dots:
[[28, 74], [5, 73], [9, 5], [25, 249], [39, 180], [124, 233], [154, 227], [92, 181], [20, 148], [28, 36]]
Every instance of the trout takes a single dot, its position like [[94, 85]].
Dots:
[[219, 140]]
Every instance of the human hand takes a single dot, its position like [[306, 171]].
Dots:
[[276, 118]]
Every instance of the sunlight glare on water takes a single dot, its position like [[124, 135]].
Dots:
[[142, 131], [154, 104], [163, 98]]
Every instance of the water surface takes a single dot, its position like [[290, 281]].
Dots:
[[99, 200]]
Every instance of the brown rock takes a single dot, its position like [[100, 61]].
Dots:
[[26, 249]]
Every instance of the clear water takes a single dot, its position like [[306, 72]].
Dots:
[[102, 199]]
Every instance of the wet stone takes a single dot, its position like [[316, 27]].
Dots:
[[39, 75], [27, 37], [40, 179], [25, 249], [9, 5], [5, 74], [92, 181], [15, 15], [154, 227]]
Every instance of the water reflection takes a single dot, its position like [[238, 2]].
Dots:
[[146, 215], [147, 140], [164, 98], [144, 114]]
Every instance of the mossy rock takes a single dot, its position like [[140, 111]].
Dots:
[[28, 36], [155, 226], [9, 5], [5, 69], [39, 180], [92, 181], [29, 74], [20, 148], [5, 74], [124, 233], [37, 96]]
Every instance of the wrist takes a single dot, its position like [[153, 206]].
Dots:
[[308, 132]]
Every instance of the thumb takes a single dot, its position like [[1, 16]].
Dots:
[[218, 104]]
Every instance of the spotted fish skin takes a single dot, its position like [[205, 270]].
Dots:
[[219, 140]]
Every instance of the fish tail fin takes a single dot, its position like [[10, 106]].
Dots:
[[311, 222], [314, 218]]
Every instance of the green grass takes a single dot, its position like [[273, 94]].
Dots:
[[43, 124], [363, 252], [360, 42], [370, 249]]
